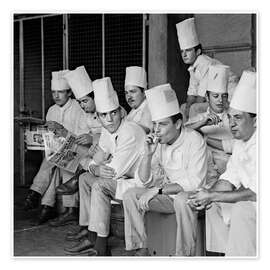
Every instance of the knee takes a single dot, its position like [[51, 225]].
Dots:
[[180, 200], [98, 186], [129, 195]]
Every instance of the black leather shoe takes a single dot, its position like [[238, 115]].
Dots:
[[46, 214], [82, 247], [77, 237], [71, 186], [64, 219], [32, 200]]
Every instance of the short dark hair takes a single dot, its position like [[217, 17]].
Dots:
[[252, 115], [199, 46], [176, 117], [91, 95]]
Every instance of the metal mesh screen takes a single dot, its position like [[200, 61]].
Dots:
[[16, 70], [123, 47], [16, 92], [32, 67], [85, 43], [53, 52]]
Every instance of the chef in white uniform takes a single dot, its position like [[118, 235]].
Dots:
[[110, 174], [191, 52], [81, 86], [135, 85], [174, 161], [231, 221], [64, 116], [214, 123]]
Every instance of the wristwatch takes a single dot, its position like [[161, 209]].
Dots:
[[160, 191]]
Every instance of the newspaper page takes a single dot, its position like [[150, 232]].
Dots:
[[62, 152], [34, 137]]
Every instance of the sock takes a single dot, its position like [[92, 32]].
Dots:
[[101, 245], [92, 236]]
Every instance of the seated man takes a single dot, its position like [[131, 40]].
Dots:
[[135, 85], [191, 52], [174, 161], [110, 172], [214, 123], [66, 115], [231, 221]]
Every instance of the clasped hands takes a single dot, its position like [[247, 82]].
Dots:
[[200, 199]]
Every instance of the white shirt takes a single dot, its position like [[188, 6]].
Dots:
[[241, 167], [220, 131], [94, 126], [198, 76], [125, 146], [141, 115], [71, 116], [184, 162]]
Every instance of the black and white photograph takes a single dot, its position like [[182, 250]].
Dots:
[[135, 134]]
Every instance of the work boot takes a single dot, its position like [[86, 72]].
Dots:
[[32, 200], [47, 213], [142, 252], [82, 247], [64, 219], [77, 237]]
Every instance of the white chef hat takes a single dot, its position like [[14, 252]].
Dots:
[[162, 102], [136, 76], [244, 96], [79, 81], [218, 76], [58, 82], [106, 98], [187, 34]]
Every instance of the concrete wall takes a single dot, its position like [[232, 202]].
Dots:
[[157, 50]]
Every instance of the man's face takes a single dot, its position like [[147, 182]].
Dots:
[[111, 120], [134, 96], [217, 101], [166, 130], [87, 104], [189, 56], [242, 124], [61, 97]]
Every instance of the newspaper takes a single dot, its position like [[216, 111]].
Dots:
[[34, 137], [62, 152]]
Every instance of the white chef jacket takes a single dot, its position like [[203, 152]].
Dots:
[[220, 131], [94, 126], [198, 76], [126, 146], [184, 162], [71, 116], [141, 115], [241, 168]]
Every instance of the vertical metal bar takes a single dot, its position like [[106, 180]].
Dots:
[[103, 45], [253, 40], [42, 70], [65, 41], [144, 40], [21, 76]]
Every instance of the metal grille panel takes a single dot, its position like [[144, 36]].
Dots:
[[16, 70], [53, 52], [85, 43], [32, 67], [123, 47]]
